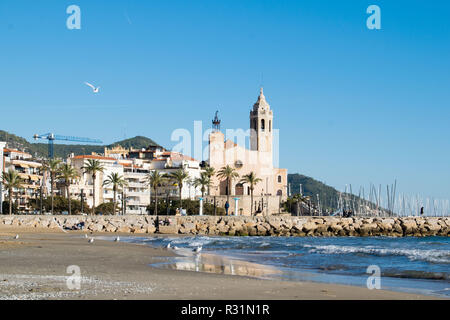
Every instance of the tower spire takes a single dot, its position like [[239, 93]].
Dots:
[[216, 122], [261, 103]]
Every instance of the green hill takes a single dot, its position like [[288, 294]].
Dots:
[[136, 143], [329, 196], [63, 150]]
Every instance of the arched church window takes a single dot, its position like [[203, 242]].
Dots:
[[279, 193], [279, 179], [262, 124], [239, 189]]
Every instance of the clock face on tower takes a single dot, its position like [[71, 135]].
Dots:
[[238, 164]]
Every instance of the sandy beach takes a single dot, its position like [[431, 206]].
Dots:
[[35, 267]]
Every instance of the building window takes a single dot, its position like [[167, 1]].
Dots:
[[279, 179], [255, 124], [279, 193], [270, 125], [262, 124], [239, 189]]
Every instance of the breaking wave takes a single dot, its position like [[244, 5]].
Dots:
[[431, 255]]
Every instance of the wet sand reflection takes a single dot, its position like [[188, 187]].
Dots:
[[218, 264]]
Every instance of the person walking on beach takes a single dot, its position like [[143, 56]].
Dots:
[[227, 205], [157, 223]]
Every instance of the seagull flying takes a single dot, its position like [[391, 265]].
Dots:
[[94, 89]]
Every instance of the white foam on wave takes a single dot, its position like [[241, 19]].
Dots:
[[190, 241], [432, 255]]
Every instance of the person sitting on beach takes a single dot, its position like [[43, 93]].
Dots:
[[78, 226]]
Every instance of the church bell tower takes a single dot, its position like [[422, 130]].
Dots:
[[261, 122]]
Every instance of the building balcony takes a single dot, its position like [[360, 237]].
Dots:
[[137, 194], [134, 175], [129, 211], [137, 185]]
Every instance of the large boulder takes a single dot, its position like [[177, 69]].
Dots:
[[96, 227], [309, 227], [223, 228], [366, 229], [261, 230], [335, 227], [151, 229], [171, 229], [110, 228], [409, 226], [123, 229]]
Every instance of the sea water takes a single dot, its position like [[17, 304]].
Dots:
[[408, 264]]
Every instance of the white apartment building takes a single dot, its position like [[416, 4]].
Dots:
[[30, 172], [137, 192]]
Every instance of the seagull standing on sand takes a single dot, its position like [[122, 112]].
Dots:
[[94, 89], [16, 237], [168, 246], [197, 250], [117, 239], [91, 240]]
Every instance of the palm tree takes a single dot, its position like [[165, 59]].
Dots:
[[250, 179], [229, 174], [53, 167], [92, 167], [154, 180], [68, 173], [210, 172], [116, 181], [179, 176], [11, 181], [203, 181]]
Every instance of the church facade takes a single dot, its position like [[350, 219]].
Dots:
[[272, 189]]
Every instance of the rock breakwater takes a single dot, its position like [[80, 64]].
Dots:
[[244, 226]]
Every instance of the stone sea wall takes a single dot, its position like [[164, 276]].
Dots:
[[243, 226]]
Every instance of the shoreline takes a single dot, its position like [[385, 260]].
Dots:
[[223, 262], [35, 267]]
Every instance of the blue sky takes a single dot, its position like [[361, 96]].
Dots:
[[353, 105]]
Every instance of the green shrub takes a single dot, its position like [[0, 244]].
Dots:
[[192, 207]]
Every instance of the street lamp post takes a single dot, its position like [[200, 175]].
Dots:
[[236, 206], [318, 205], [167, 203], [81, 196], [40, 199], [2, 145], [200, 212], [124, 203]]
